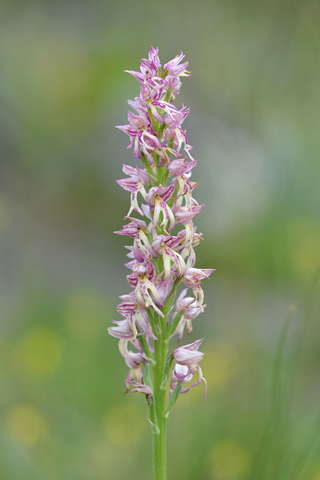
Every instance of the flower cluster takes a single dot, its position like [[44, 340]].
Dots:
[[164, 236]]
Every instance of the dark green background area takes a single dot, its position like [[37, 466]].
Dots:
[[254, 124]]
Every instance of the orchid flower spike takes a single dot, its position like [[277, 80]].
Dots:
[[160, 226]]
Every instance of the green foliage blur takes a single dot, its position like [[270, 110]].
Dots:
[[254, 124]]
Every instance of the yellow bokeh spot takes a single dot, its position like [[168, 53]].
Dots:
[[39, 352], [104, 457], [86, 313], [228, 460], [305, 241], [219, 365], [123, 425], [316, 477], [26, 424]]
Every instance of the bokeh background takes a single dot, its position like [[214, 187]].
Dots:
[[254, 124]]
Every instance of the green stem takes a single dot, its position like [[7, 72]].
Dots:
[[160, 387], [160, 372]]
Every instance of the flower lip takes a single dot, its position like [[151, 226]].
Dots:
[[181, 373]]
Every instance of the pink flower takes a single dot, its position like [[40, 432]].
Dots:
[[188, 354], [187, 358], [184, 214], [132, 228], [139, 387], [191, 308], [192, 276], [165, 245], [156, 199], [181, 166], [148, 67], [134, 184], [122, 330], [137, 123], [136, 318], [148, 296], [175, 69]]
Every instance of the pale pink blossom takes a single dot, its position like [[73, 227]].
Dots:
[[174, 68], [187, 358]]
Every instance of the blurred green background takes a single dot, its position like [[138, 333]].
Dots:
[[254, 124]]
